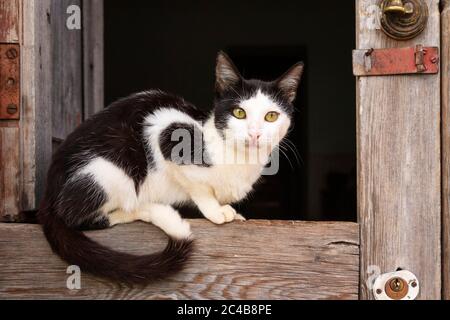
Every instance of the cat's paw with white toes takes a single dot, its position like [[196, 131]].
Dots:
[[228, 212], [180, 231], [225, 214]]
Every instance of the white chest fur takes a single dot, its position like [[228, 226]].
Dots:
[[230, 183]]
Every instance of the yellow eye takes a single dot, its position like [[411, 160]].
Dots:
[[272, 116], [239, 113]]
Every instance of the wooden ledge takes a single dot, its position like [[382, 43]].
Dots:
[[243, 260]]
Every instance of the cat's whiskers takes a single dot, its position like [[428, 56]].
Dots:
[[281, 149], [292, 147], [288, 149]]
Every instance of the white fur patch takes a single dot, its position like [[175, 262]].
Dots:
[[118, 186]]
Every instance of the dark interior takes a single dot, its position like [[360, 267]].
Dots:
[[172, 45]]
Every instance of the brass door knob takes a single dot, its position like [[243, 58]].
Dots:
[[397, 6], [403, 19]]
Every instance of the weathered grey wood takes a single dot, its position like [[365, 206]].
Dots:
[[9, 170], [9, 130], [249, 260], [93, 57], [399, 189], [445, 58], [9, 21], [67, 51], [37, 85], [52, 89]]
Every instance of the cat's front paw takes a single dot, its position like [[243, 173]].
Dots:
[[225, 214], [228, 212]]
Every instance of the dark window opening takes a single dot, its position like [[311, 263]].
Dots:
[[172, 45]]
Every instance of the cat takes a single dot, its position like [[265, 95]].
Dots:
[[119, 167]]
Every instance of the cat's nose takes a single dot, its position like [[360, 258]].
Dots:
[[254, 135]]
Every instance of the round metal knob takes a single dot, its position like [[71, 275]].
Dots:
[[397, 6], [403, 19]]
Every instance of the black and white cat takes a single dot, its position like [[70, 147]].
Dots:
[[119, 167]]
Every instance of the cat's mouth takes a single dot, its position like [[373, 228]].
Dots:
[[257, 144], [252, 143]]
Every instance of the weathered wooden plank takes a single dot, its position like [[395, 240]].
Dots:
[[52, 94], [445, 58], [67, 73], [93, 57], [249, 260], [399, 189], [9, 130], [9, 21], [37, 85], [9, 170]]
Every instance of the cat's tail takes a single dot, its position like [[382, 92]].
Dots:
[[77, 249]]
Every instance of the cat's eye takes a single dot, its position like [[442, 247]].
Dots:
[[239, 113], [272, 116]]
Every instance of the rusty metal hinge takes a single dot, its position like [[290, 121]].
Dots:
[[395, 61], [9, 81]]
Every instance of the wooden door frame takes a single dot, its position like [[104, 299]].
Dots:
[[10, 187], [399, 153], [445, 69], [399, 162], [34, 20]]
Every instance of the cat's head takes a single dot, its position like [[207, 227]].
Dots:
[[254, 113]]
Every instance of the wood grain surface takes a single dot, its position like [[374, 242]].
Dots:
[[9, 130], [399, 161], [93, 57], [9, 170], [67, 71], [9, 21], [445, 58], [243, 260]]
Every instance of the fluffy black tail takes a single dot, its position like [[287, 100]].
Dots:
[[77, 249]]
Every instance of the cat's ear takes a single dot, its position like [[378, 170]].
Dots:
[[289, 82], [227, 75]]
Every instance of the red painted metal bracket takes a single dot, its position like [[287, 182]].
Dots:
[[396, 61], [9, 81]]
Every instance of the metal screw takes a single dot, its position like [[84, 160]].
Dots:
[[369, 52], [379, 291], [11, 82], [12, 53], [414, 284], [11, 109]]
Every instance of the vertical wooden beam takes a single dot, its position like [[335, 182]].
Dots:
[[399, 175], [9, 170], [67, 91], [445, 69], [10, 166], [9, 21], [37, 84], [52, 94], [93, 57], [51, 90]]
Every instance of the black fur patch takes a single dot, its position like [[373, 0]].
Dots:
[[78, 203], [183, 144]]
